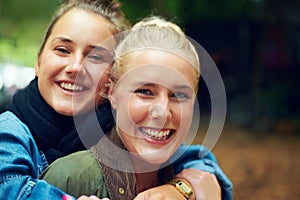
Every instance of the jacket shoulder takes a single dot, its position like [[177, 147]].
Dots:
[[77, 174], [9, 122]]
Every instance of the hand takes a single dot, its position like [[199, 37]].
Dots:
[[163, 192], [90, 198], [205, 185]]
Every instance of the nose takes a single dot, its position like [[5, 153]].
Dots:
[[76, 64], [161, 109]]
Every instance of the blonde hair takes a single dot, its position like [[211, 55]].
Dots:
[[155, 33]]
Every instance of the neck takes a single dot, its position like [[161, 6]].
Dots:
[[146, 180], [146, 174]]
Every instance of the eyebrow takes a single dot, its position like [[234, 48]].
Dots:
[[96, 47], [183, 87], [63, 39], [144, 83]]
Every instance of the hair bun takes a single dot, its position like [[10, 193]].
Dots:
[[157, 22]]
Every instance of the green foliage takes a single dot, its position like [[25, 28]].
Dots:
[[219, 9], [21, 56], [22, 27], [23, 22], [29, 9], [135, 11]]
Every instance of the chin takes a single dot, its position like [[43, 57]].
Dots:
[[154, 159], [64, 111]]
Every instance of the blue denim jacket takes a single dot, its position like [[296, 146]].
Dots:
[[21, 163]]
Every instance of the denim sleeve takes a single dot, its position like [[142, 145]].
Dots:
[[199, 157], [21, 163]]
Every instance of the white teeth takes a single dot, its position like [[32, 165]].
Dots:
[[69, 86], [155, 134]]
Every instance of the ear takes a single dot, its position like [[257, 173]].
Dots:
[[111, 94], [37, 66]]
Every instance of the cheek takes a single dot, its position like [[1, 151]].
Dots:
[[101, 82], [51, 65], [184, 117], [101, 90], [129, 112], [138, 110], [100, 76]]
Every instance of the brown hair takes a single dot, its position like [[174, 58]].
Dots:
[[108, 9]]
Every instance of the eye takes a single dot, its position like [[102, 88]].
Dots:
[[144, 92], [180, 96], [95, 58], [101, 56], [62, 50]]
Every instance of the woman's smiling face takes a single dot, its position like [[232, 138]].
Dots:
[[74, 62], [154, 101]]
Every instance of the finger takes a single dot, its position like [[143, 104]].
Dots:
[[83, 197], [93, 197], [142, 196], [67, 197]]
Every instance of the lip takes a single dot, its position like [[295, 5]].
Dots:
[[157, 136]]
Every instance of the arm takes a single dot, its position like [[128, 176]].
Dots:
[[163, 192], [207, 187], [200, 168], [21, 163], [200, 158]]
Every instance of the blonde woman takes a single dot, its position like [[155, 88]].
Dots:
[[152, 88]]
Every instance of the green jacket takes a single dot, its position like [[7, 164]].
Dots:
[[103, 171], [77, 174]]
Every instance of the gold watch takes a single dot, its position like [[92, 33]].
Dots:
[[183, 187]]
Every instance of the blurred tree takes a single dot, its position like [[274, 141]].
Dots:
[[239, 34], [22, 25]]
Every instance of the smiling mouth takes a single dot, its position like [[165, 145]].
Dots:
[[157, 134], [71, 87]]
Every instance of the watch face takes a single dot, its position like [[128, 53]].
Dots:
[[185, 187], [182, 187]]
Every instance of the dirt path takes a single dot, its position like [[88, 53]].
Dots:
[[260, 167]]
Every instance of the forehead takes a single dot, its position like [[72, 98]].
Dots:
[[159, 66], [84, 27]]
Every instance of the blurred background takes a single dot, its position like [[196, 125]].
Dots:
[[256, 46]]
